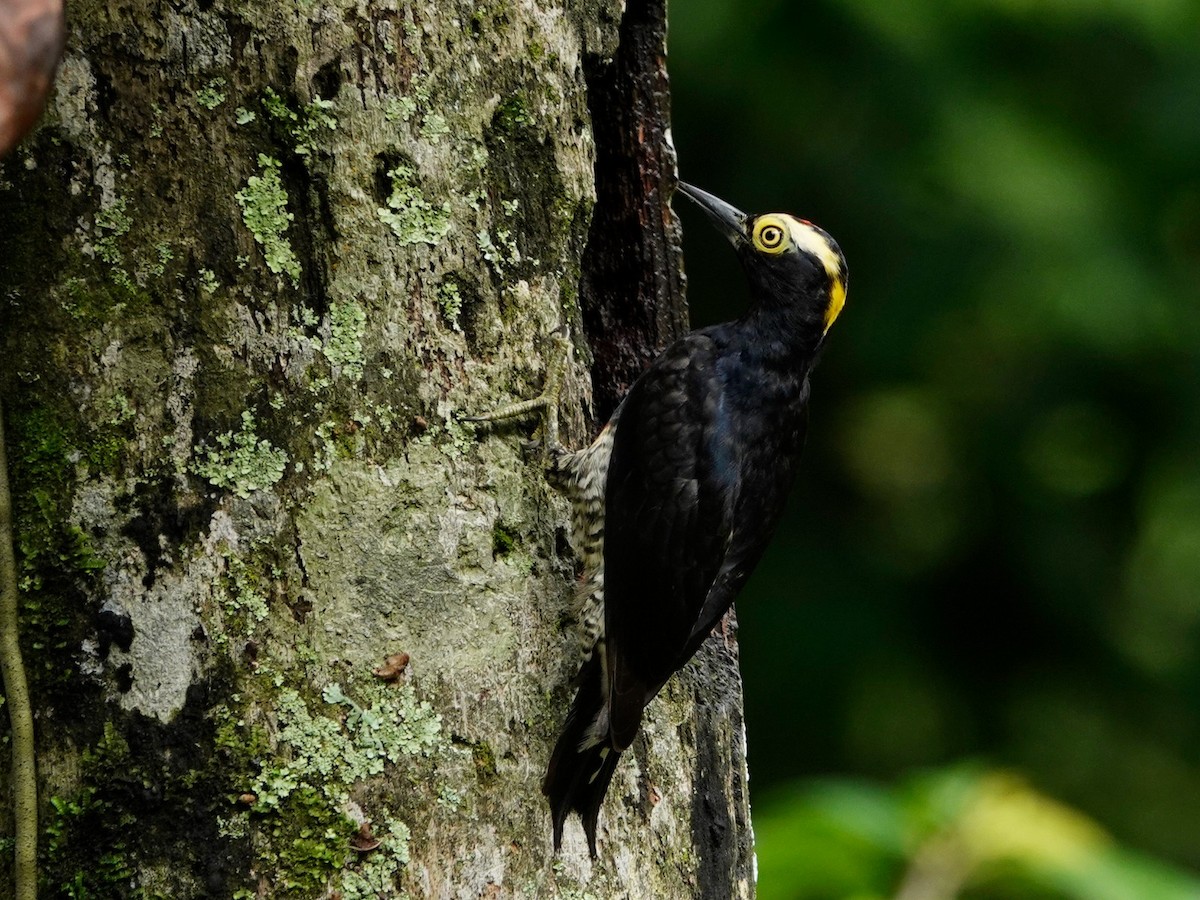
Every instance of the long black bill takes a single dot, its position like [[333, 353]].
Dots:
[[729, 220]]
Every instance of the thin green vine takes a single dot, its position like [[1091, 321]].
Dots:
[[16, 690]]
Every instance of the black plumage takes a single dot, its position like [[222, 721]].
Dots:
[[696, 466]]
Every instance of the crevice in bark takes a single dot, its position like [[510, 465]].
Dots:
[[713, 834], [632, 286], [311, 232], [721, 828]]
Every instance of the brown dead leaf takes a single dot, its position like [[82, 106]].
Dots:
[[393, 667], [364, 841]]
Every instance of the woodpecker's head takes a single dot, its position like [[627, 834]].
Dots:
[[787, 260]]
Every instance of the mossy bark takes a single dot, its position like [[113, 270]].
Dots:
[[256, 265]]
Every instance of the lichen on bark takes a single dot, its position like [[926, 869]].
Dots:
[[243, 478]]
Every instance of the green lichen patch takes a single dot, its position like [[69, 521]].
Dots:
[[434, 127], [501, 253], [209, 283], [244, 598], [315, 119], [264, 210], [412, 218], [111, 240], [376, 875], [367, 430], [405, 108], [112, 224], [400, 109], [386, 725], [452, 438], [451, 301], [156, 121], [277, 107], [157, 266], [324, 750], [212, 94], [344, 347], [305, 128], [241, 461]]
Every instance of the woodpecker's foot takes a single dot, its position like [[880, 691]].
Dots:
[[545, 441], [555, 457]]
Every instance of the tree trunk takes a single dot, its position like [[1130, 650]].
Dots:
[[292, 627]]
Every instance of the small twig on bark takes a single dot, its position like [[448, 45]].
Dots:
[[16, 691]]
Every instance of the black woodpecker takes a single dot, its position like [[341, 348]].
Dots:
[[676, 500]]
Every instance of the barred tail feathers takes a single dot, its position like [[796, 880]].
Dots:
[[580, 770]]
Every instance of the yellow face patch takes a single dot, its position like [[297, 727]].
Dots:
[[810, 240], [837, 299]]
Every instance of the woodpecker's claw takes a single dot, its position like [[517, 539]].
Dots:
[[546, 438]]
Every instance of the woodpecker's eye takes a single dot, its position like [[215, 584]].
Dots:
[[770, 236]]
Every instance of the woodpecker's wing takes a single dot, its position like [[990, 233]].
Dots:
[[673, 482], [769, 459]]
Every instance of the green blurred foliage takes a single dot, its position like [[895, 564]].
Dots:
[[964, 832], [994, 548]]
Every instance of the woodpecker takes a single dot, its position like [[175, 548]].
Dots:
[[677, 498]]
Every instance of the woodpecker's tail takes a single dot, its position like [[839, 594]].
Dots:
[[577, 779]]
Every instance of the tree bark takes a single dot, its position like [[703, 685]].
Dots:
[[257, 264]]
